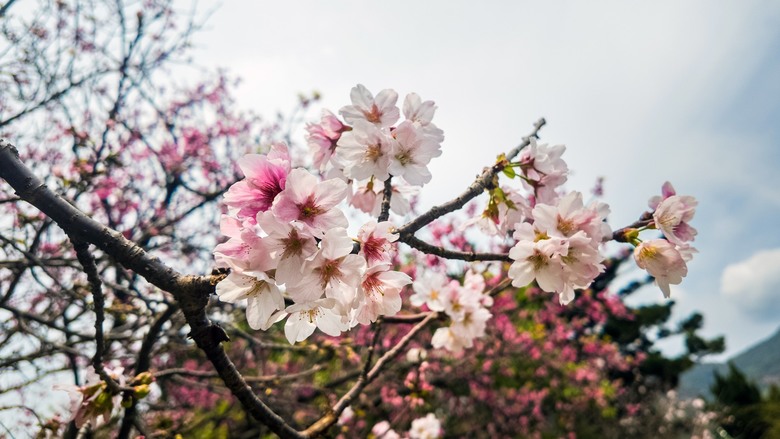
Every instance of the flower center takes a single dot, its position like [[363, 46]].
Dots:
[[374, 152], [404, 158], [538, 260], [374, 115], [329, 270], [566, 226], [309, 209], [293, 245]]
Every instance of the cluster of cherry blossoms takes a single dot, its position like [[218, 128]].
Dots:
[[367, 149], [558, 237], [291, 257], [666, 259], [465, 305], [288, 237]]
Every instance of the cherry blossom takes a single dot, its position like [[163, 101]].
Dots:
[[304, 318], [428, 427], [334, 271], [429, 290], [544, 170], [365, 152], [663, 261], [421, 114], [384, 431], [380, 293], [380, 111], [261, 293], [323, 137], [312, 203], [569, 216], [289, 244], [537, 259], [266, 177], [243, 251], [376, 241], [672, 217], [445, 338], [368, 197], [412, 155]]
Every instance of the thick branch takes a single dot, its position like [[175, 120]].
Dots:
[[191, 292]]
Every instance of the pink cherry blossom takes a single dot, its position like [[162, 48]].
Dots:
[[311, 202], [672, 217], [323, 137], [569, 216], [472, 324], [380, 111], [289, 243], [412, 155], [334, 271], [667, 190], [421, 114], [458, 300], [537, 260], [663, 261], [382, 430], [380, 293], [365, 151], [368, 197], [429, 290], [376, 241], [544, 170], [266, 177], [245, 251], [582, 264], [447, 339]]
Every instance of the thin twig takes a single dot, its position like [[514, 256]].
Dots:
[[88, 262], [480, 184], [424, 247], [387, 194], [330, 418]]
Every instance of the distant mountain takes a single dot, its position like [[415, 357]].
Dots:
[[761, 363]]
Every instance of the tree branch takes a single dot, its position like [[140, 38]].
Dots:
[[364, 380], [191, 292], [480, 184], [88, 262], [424, 247]]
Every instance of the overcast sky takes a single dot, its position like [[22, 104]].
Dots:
[[640, 93]]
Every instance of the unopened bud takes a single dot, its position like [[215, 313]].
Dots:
[[141, 391], [143, 378], [631, 236]]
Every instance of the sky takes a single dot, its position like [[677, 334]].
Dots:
[[640, 92]]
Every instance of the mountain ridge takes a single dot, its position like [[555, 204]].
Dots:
[[760, 363]]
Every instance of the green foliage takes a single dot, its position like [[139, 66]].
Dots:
[[745, 414]]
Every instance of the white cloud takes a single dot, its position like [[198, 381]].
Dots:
[[753, 285]]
